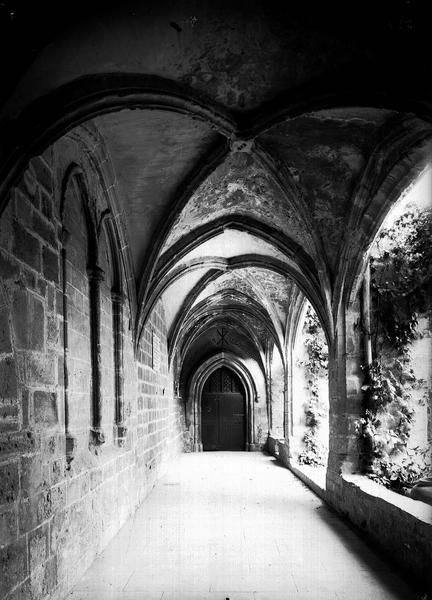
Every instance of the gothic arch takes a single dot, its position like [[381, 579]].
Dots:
[[195, 388]]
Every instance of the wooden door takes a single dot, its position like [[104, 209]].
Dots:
[[223, 418]]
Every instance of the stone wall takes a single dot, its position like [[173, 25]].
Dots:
[[55, 514]]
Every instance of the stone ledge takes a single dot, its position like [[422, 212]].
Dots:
[[416, 508], [314, 477]]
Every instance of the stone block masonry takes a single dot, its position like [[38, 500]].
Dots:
[[55, 516]]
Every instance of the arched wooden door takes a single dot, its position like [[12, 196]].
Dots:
[[223, 412]]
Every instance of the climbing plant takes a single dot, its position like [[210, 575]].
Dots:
[[401, 277], [315, 366]]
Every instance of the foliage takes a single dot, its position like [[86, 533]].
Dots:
[[401, 275], [316, 366], [401, 279]]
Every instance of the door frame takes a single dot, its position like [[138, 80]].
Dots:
[[196, 385]]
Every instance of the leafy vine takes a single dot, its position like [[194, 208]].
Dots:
[[316, 366], [401, 276]]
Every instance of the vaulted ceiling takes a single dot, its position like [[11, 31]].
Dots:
[[240, 138]]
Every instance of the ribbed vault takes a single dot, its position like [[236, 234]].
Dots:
[[247, 164]]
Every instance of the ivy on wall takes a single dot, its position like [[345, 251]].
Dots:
[[401, 278], [316, 367]]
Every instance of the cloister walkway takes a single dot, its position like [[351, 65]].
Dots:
[[237, 525]]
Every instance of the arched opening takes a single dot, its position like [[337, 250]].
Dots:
[[223, 411], [395, 426], [200, 390]]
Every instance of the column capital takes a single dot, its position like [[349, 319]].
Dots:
[[117, 296], [95, 273]]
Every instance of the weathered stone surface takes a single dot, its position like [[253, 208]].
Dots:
[[8, 267], [34, 475], [9, 415], [22, 442], [9, 477], [13, 565], [41, 286], [38, 546], [51, 295], [53, 331], [45, 408], [26, 247], [44, 229], [59, 496], [22, 592], [8, 525], [28, 321], [37, 369], [8, 378], [51, 265], [5, 338], [50, 575], [46, 204], [78, 487], [43, 173], [96, 478], [58, 470], [53, 445], [35, 510], [6, 229], [23, 207], [25, 408]]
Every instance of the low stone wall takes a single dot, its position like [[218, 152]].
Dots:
[[397, 525]]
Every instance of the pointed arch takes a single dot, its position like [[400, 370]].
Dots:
[[195, 388]]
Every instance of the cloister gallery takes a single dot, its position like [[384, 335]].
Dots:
[[215, 238]]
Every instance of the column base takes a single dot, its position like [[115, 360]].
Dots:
[[97, 436], [71, 448], [254, 447], [120, 433], [197, 447]]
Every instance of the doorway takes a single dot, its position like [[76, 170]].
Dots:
[[223, 411]]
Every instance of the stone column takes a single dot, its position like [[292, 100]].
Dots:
[[120, 429], [269, 390], [197, 443], [252, 440], [345, 397], [95, 275], [366, 317], [71, 441], [289, 421]]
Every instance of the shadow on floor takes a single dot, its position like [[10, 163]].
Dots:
[[368, 553]]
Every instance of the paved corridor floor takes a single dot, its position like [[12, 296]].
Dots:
[[239, 526]]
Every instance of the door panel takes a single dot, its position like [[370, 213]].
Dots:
[[209, 421], [223, 418], [231, 422]]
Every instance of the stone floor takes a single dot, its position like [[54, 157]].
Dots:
[[239, 526]]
